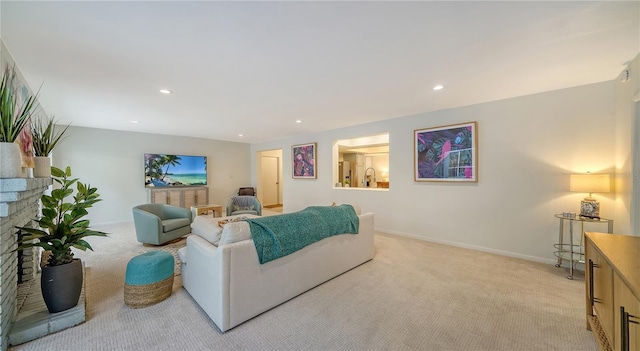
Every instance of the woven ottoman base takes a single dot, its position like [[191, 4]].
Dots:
[[149, 279], [136, 296]]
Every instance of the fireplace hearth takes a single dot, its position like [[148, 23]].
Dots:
[[19, 206]]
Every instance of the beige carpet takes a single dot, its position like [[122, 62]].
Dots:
[[414, 295]]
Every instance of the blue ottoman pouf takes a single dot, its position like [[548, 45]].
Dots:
[[149, 279]]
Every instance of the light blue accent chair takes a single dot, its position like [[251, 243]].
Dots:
[[239, 205], [157, 224]]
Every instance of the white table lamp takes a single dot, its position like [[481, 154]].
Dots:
[[590, 183]]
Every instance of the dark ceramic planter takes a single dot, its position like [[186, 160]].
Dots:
[[62, 285]]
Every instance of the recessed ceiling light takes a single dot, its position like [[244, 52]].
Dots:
[[299, 121], [438, 87], [165, 91], [240, 135], [135, 122]]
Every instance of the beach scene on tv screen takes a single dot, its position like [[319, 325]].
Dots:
[[174, 170]]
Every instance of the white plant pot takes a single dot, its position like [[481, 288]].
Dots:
[[10, 160], [42, 167]]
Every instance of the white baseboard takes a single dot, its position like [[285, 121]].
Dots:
[[102, 224], [467, 246]]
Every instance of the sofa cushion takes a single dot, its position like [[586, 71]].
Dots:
[[206, 228], [172, 224], [234, 232]]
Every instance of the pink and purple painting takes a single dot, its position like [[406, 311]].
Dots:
[[304, 161], [447, 153]]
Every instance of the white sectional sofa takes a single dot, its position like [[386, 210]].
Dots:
[[231, 286]]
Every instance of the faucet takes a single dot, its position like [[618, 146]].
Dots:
[[366, 182]]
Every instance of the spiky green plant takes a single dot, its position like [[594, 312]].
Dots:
[[13, 118], [61, 225], [45, 137]]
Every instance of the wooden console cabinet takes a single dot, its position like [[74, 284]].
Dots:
[[182, 197], [613, 290]]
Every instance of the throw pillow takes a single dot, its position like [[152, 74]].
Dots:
[[234, 232], [206, 229]]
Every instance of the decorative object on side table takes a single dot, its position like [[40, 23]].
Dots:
[[13, 119], [45, 139], [204, 209], [62, 228], [447, 153], [590, 183]]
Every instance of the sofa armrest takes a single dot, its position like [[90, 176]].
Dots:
[[258, 207], [206, 278], [229, 208]]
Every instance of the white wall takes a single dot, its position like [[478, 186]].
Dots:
[[112, 161], [528, 146], [627, 174]]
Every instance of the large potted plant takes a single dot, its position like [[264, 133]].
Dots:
[[45, 139], [13, 119], [62, 228]]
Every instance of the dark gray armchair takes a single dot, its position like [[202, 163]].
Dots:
[[239, 205], [157, 224]]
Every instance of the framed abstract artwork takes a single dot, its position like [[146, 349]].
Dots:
[[25, 138], [304, 161], [446, 154]]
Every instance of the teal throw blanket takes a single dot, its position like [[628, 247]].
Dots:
[[281, 235]]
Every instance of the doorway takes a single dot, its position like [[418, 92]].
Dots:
[[269, 178]]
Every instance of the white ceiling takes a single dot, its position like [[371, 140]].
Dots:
[[256, 67]]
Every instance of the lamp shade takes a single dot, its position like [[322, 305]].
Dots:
[[590, 183]]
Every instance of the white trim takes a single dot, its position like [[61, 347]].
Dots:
[[635, 179], [106, 224]]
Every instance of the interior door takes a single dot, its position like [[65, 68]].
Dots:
[[270, 184]]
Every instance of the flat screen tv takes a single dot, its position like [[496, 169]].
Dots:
[[161, 170]]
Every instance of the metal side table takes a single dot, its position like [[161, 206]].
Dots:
[[574, 253]]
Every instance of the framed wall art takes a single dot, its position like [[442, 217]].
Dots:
[[25, 138], [446, 154], [304, 161]]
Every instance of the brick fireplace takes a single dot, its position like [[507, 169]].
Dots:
[[19, 206]]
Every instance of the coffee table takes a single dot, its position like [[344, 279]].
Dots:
[[204, 209]]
